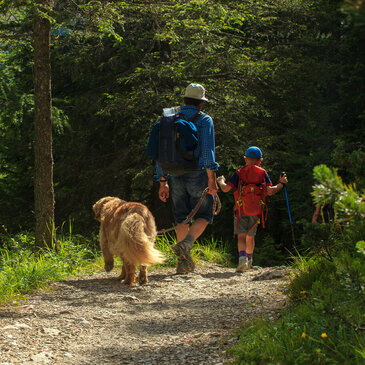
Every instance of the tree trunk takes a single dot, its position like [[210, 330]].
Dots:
[[43, 159]]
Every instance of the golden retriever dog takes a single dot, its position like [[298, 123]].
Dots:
[[127, 230]]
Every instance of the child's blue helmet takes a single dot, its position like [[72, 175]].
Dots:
[[254, 152]]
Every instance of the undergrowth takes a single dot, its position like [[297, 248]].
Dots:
[[325, 321], [203, 251], [23, 268]]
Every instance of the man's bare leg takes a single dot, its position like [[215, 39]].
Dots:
[[186, 236]]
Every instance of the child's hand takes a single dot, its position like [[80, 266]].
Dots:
[[221, 179], [283, 179]]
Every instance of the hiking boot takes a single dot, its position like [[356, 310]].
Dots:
[[183, 266], [183, 250], [249, 264], [242, 264]]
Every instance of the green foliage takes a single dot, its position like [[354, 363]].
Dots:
[[212, 251], [302, 336], [347, 202], [24, 269], [325, 322], [360, 245], [283, 75], [321, 239], [268, 253], [163, 243], [325, 325]]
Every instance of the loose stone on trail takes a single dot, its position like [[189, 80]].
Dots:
[[184, 319]]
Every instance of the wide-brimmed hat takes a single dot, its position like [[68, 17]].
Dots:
[[254, 152], [195, 91]]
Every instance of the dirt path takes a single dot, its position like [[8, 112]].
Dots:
[[175, 319]]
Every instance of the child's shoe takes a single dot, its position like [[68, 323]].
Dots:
[[242, 264]]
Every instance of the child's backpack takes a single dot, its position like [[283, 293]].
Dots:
[[250, 196], [172, 142]]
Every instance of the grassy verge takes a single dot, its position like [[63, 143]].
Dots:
[[325, 323], [203, 251], [24, 269]]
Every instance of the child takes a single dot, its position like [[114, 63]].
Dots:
[[251, 184]]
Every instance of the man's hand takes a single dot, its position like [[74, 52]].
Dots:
[[164, 191]]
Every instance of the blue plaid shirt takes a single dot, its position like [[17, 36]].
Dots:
[[206, 146]]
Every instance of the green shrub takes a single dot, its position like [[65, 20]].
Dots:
[[325, 322]]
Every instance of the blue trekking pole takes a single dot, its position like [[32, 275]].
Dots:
[[287, 203]]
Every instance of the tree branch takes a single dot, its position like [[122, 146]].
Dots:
[[15, 36]]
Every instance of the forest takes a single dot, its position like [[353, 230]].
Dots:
[[287, 76], [81, 84]]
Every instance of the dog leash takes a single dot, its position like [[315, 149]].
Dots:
[[216, 209]]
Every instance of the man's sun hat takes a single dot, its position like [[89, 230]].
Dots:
[[195, 91], [254, 152]]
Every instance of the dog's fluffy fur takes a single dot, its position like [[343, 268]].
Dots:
[[127, 230]]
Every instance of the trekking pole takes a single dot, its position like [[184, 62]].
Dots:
[[287, 203]]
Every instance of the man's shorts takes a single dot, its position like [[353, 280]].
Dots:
[[245, 223], [186, 191]]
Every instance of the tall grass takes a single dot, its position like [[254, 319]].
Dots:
[[325, 324], [24, 269], [203, 251]]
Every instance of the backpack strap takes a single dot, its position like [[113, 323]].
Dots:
[[195, 117]]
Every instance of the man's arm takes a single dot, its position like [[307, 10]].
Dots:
[[207, 145], [212, 182]]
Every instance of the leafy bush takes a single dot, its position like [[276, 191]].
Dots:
[[325, 323]]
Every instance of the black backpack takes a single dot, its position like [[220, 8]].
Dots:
[[172, 143]]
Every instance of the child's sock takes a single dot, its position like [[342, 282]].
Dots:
[[249, 256], [242, 254]]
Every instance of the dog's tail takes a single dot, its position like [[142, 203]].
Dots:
[[139, 246]]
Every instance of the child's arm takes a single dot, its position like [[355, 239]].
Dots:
[[222, 183], [271, 190]]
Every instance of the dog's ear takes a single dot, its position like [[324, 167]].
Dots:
[[97, 210], [98, 207]]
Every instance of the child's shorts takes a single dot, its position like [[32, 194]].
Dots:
[[245, 223]]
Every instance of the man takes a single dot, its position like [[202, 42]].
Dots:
[[186, 190]]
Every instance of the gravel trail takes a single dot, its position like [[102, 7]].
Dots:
[[175, 319]]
